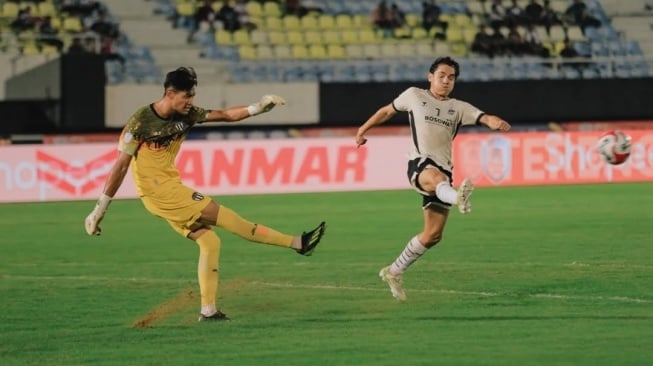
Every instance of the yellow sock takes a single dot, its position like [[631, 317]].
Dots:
[[232, 222], [207, 267]]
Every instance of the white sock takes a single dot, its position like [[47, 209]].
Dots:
[[445, 192], [208, 310], [413, 250]]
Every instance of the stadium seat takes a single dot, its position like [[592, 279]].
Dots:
[[317, 51], [277, 37], [326, 21], [313, 37], [309, 22], [336, 51], [265, 51], [254, 9], [258, 36], [295, 37], [291, 23], [271, 9], [331, 37]]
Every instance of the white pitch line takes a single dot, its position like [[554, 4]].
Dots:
[[622, 299]]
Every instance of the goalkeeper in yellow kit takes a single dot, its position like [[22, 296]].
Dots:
[[149, 144]]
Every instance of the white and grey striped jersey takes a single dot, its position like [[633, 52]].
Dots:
[[434, 123]]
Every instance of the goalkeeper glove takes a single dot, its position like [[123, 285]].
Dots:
[[92, 222], [266, 103]]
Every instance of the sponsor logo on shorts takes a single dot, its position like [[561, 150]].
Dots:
[[198, 196]]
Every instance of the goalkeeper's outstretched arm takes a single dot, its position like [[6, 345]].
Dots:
[[113, 183], [235, 114]]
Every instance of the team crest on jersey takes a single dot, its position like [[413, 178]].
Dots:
[[451, 112], [198, 196]]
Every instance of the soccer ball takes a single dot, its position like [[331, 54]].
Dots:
[[614, 147]]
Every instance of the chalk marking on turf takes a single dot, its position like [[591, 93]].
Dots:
[[623, 299]]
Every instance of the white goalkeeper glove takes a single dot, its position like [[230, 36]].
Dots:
[[266, 104], [92, 222]]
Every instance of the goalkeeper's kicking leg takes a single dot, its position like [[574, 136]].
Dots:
[[224, 217]]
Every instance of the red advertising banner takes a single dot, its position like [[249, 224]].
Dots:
[[548, 158], [78, 172]]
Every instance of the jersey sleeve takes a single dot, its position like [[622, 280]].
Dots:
[[130, 138], [402, 102], [469, 114], [197, 115]]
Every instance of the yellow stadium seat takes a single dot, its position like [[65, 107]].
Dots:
[[454, 34], [313, 37], [265, 52], [247, 52], [441, 49], [273, 23], [10, 10], [49, 50], [371, 50], [406, 49], [277, 37], [403, 32], [388, 50], [223, 38], [258, 36], [361, 21], [271, 9], [573, 33], [326, 21], [317, 51], [344, 21], [309, 22], [349, 36], [419, 33], [72, 24], [254, 9], [469, 34], [30, 48], [335, 51], [291, 22], [299, 52], [367, 36], [557, 34], [425, 49], [46, 9], [413, 20], [354, 51], [186, 9], [294, 37], [282, 51], [331, 37], [241, 37], [458, 49], [463, 20]]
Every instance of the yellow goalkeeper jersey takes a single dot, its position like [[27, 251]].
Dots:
[[154, 142]]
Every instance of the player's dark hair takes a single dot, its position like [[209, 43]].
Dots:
[[446, 60], [182, 79]]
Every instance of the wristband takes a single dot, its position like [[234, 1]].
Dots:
[[254, 109], [103, 203]]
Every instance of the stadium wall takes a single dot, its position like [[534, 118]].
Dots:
[[78, 172]]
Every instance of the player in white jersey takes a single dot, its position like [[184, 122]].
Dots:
[[434, 121]]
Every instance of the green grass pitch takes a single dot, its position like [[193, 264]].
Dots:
[[558, 275]]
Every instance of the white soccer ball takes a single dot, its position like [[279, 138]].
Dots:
[[614, 147]]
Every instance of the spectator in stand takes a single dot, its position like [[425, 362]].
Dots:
[[515, 14], [204, 14], [550, 17], [431, 18], [48, 34], [229, 17], [24, 20], [499, 42], [103, 27], [398, 16], [483, 42], [581, 16], [382, 16], [571, 56], [498, 15], [515, 42], [294, 7], [77, 47], [82, 8], [533, 42], [243, 16], [534, 13]]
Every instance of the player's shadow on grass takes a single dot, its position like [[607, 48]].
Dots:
[[532, 317]]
